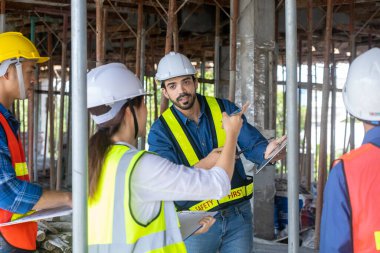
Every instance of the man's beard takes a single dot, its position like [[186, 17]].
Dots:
[[187, 105]]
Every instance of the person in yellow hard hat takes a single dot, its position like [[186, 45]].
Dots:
[[18, 59]]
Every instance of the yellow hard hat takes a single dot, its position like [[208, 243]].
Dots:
[[15, 45]]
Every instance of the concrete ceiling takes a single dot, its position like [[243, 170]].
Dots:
[[196, 24]]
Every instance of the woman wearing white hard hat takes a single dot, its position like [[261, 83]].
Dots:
[[131, 191]]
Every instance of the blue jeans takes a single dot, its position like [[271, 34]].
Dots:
[[7, 248], [232, 232]]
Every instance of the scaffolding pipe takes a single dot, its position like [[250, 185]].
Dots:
[[175, 31], [140, 55], [353, 56], [104, 31], [79, 124], [272, 82], [62, 101], [90, 37], [68, 178], [99, 33], [155, 99], [16, 110], [292, 124], [138, 38], [150, 83], [275, 83], [169, 30], [142, 77], [37, 103], [234, 5], [299, 90], [316, 120], [152, 49], [142, 58], [46, 138], [217, 52], [56, 123], [323, 128], [168, 44], [2, 16], [23, 122], [122, 51], [36, 121], [51, 111], [333, 106], [31, 117], [309, 92], [203, 79], [283, 113], [30, 135]]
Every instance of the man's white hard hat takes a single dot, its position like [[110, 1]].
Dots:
[[361, 93], [173, 65]]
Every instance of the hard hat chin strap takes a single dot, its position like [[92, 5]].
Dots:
[[20, 77], [374, 123], [134, 119]]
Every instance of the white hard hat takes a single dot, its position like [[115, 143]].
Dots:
[[173, 65], [111, 84], [361, 93]]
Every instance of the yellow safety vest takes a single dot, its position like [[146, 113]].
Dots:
[[112, 227], [191, 154]]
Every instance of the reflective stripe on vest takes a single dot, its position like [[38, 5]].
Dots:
[[190, 153], [21, 169], [23, 235], [234, 194], [217, 117], [110, 208], [186, 145], [361, 169], [377, 240]]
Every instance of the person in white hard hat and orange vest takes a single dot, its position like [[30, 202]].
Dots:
[[18, 59], [350, 215], [131, 191], [190, 133]]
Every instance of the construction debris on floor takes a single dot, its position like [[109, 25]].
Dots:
[[306, 211], [55, 235]]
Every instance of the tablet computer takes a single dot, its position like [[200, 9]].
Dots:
[[271, 156]]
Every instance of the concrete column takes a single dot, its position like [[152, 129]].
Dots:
[[254, 83]]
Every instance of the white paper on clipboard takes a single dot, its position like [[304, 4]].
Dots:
[[190, 222], [271, 156], [41, 215]]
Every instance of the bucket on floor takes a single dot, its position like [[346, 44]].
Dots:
[[281, 209]]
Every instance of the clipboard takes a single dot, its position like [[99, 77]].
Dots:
[[190, 222], [271, 156], [41, 215]]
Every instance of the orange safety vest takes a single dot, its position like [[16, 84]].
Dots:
[[362, 172], [22, 235]]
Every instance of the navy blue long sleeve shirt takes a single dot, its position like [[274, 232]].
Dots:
[[250, 139]]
